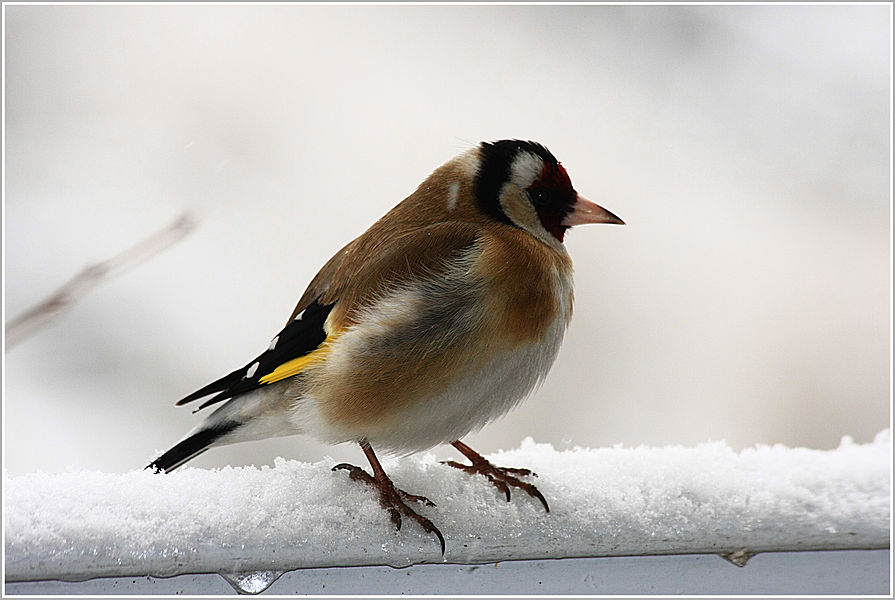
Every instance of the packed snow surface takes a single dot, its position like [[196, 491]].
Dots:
[[603, 502]]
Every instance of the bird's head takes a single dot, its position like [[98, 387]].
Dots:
[[522, 184]]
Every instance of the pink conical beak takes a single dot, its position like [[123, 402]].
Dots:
[[585, 211]]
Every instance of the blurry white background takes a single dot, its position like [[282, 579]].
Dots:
[[747, 147]]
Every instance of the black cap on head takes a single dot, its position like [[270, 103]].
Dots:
[[494, 171]]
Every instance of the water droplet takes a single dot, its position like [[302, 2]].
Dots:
[[739, 558], [254, 582]]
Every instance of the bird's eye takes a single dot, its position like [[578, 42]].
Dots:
[[539, 196]]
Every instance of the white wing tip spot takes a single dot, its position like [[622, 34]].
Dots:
[[251, 372], [273, 343]]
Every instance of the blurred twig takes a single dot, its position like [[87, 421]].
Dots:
[[76, 288]]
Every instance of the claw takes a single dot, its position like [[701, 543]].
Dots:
[[537, 494], [502, 486], [396, 517], [390, 497], [439, 536], [500, 477]]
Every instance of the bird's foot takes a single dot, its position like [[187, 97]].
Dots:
[[394, 500], [500, 477]]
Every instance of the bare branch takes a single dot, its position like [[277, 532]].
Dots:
[[76, 288]]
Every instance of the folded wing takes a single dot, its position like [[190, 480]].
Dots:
[[300, 343]]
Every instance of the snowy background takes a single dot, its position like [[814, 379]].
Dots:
[[747, 147]]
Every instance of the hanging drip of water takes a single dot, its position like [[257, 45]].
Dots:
[[739, 558], [252, 582]]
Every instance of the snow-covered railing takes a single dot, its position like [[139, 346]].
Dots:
[[251, 525]]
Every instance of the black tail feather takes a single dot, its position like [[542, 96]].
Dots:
[[215, 386], [190, 448]]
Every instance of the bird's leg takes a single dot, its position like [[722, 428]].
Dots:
[[390, 497], [501, 477]]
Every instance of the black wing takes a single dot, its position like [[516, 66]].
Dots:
[[300, 337]]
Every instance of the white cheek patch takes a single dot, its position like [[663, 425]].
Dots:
[[453, 194], [525, 169], [520, 211]]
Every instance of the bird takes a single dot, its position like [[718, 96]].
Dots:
[[438, 319]]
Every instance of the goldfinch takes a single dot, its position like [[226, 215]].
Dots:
[[438, 319]]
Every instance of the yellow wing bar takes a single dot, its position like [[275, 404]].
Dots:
[[297, 365]]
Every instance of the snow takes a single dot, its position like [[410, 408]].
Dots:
[[604, 502]]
